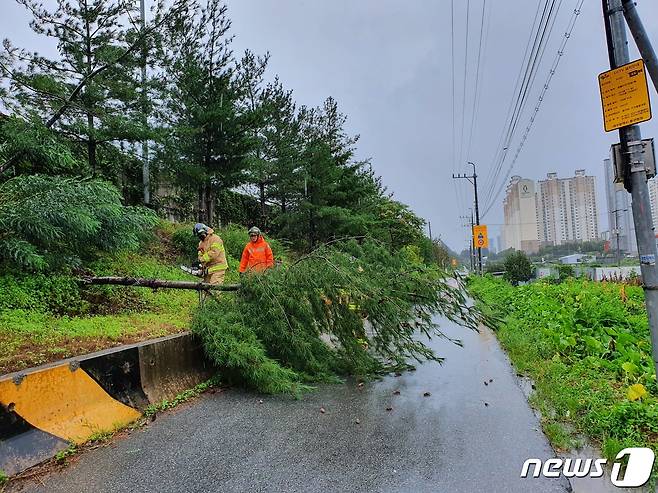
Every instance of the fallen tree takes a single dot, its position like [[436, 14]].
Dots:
[[158, 283], [377, 308]]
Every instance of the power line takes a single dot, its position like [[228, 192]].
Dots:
[[554, 66], [461, 137], [536, 55], [541, 37], [516, 86], [476, 96]]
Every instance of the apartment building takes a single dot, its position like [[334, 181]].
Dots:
[[519, 206], [566, 209]]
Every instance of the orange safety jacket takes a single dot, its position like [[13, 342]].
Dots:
[[256, 256], [211, 253]]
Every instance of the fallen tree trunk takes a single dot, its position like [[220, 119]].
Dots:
[[158, 283]]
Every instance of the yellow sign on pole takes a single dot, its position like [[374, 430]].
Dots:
[[625, 96], [480, 238]]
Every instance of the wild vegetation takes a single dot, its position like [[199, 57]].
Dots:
[[586, 345]]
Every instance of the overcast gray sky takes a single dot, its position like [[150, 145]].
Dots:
[[388, 63]]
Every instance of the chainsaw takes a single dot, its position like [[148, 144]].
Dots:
[[195, 269]]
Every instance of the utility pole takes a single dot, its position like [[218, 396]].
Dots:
[[641, 40], [469, 225], [146, 172], [429, 225], [470, 243], [617, 233], [635, 175], [473, 179]]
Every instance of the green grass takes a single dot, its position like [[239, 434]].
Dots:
[[583, 344], [48, 317]]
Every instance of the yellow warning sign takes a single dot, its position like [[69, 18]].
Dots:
[[480, 238], [625, 96]]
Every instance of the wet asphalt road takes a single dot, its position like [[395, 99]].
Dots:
[[449, 441]]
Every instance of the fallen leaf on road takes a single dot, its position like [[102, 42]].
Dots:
[[389, 408], [396, 392], [322, 410], [357, 421], [486, 404], [260, 401], [427, 394], [490, 380], [486, 383]]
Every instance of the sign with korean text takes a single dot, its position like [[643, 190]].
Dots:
[[625, 96], [480, 238]]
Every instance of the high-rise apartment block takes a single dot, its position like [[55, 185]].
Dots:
[[519, 206], [566, 209], [555, 211], [620, 215]]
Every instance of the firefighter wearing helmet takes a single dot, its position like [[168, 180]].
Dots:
[[257, 254], [211, 253]]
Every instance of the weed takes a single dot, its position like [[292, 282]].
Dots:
[[184, 396], [62, 456], [584, 344]]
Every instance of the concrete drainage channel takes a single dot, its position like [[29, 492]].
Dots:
[[44, 409]]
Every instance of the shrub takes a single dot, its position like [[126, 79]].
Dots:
[[565, 271], [49, 222], [57, 294], [517, 268]]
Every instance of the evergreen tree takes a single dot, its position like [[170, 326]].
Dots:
[[89, 34], [206, 127]]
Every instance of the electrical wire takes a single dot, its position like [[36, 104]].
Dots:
[[476, 97], [554, 66], [542, 35], [508, 116]]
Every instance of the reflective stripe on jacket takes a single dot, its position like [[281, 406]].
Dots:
[[256, 256], [211, 253]]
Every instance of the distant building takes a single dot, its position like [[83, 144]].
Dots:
[[620, 215], [576, 258], [653, 197], [566, 209], [519, 206]]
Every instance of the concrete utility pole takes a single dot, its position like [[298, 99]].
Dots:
[[641, 40], [469, 225], [635, 175], [617, 233], [473, 179], [146, 172]]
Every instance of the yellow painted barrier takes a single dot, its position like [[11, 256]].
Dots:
[[67, 404]]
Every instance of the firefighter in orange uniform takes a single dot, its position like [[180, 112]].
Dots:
[[257, 254]]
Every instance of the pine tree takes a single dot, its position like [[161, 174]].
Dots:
[[89, 34], [206, 137]]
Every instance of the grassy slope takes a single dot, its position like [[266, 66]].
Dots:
[[46, 318], [584, 344]]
